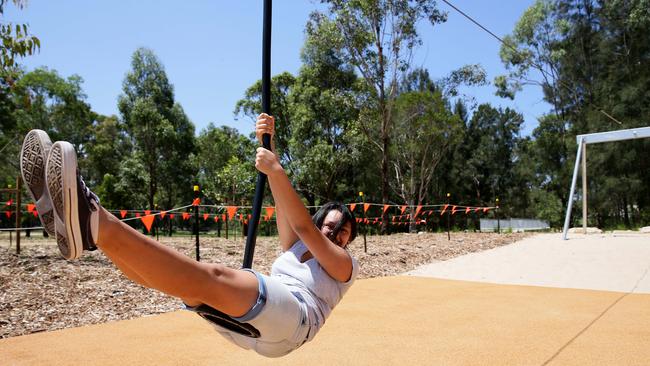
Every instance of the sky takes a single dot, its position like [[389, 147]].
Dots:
[[211, 50]]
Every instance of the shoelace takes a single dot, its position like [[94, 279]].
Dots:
[[90, 196]]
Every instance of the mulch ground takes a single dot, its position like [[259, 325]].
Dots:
[[39, 291]]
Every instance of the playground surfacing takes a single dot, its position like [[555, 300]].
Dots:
[[389, 320]]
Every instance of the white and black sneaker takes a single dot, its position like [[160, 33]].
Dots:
[[33, 155], [76, 208]]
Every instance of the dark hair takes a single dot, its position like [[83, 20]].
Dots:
[[348, 216]]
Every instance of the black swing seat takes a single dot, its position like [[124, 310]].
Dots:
[[215, 316]]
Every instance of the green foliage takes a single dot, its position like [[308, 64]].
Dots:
[[251, 106], [42, 99], [424, 131], [486, 156], [547, 206], [227, 170], [236, 180], [15, 41], [357, 117], [161, 134], [377, 38]]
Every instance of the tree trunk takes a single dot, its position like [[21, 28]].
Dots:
[[384, 184]]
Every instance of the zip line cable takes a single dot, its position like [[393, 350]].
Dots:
[[534, 64]]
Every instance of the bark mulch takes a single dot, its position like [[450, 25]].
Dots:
[[39, 291]]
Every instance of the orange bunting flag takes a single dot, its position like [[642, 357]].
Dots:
[[148, 221], [196, 202], [353, 206], [171, 216], [453, 210], [386, 208], [486, 209], [205, 217], [417, 211], [147, 212], [477, 209], [10, 202], [137, 214], [250, 216], [186, 215], [403, 208], [444, 209], [232, 210], [374, 222], [162, 214], [35, 213], [223, 217], [30, 207], [216, 218], [365, 221], [123, 213], [366, 206], [269, 212], [467, 210]]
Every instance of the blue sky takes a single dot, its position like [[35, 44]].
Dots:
[[211, 50]]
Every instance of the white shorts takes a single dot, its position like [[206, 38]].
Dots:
[[279, 316]]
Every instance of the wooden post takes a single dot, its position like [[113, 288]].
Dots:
[[448, 217], [19, 182], [498, 221], [227, 218], [196, 221], [584, 187], [363, 222]]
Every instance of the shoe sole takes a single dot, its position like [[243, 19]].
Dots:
[[33, 157], [61, 180]]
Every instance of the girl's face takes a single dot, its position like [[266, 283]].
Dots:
[[331, 220]]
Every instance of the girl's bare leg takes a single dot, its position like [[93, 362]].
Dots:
[[154, 265]]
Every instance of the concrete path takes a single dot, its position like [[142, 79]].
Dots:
[[611, 262]]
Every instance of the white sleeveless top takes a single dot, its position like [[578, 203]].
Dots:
[[310, 283]]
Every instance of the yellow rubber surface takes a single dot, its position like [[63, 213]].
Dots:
[[386, 321]]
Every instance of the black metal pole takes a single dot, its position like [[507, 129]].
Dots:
[[266, 139]]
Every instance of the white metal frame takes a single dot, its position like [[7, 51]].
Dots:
[[583, 141]]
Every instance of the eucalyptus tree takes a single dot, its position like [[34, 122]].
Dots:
[[251, 105], [595, 76], [492, 136], [225, 159], [15, 39], [532, 55], [606, 61], [45, 100], [315, 122], [324, 125], [161, 133], [377, 37], [425, 130]]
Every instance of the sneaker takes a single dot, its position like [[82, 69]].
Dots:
[[76, 208], [33, 155]]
